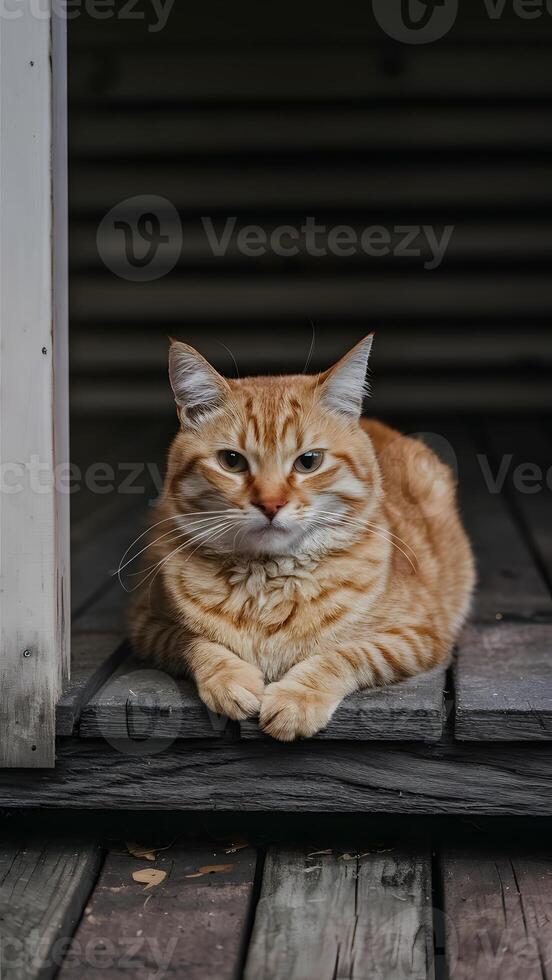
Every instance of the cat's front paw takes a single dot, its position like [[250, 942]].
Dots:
[[291, 710], [235, 690]]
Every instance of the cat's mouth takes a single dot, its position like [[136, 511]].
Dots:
[[271, 528]]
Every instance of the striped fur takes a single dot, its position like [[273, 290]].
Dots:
[[363, 577]]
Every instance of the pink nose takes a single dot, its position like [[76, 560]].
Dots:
[[270, 507]]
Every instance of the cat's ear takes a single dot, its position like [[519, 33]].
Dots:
[[344, 386], [198, 389]]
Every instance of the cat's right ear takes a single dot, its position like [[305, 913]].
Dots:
[[198, 389]]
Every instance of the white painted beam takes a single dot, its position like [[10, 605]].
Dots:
[[34, 517]]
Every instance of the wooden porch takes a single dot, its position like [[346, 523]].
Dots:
[[226, 898], [473, 740]]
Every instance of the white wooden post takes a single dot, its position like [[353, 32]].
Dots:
[[34, 411]]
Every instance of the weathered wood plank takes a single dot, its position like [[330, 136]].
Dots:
[[503, 682], [44, 885], [185, 926], [413, 709], [94, 657], [503, 670], [497, 915], [451, 777], [142, 704], [353, 914]]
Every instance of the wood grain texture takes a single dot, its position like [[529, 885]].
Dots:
[[94, 657], [326, 917], [412, 709], [44, 885], [34, 512], [451, 777], [142, 704], [497, 915], [503, 682], [183, 927], [503, 671]]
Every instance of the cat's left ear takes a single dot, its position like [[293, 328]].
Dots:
[[344, 386], [197, 387]]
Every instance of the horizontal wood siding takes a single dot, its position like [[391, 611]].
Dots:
[[323, 116]]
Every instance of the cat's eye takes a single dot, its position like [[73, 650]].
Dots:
[[309, 462], [232, 461]]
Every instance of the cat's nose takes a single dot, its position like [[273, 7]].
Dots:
[[270, 507]]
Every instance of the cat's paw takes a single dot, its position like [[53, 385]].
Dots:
[[290, 710], [235, 690]]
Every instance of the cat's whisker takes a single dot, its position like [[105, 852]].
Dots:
[[196, 522], [178, 535], [374, 529], [139, 538], [368, 523], [202, 536], [214, 535]]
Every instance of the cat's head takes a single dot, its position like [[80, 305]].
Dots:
[[271, 465]]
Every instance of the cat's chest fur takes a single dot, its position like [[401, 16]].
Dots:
[[272, 589]]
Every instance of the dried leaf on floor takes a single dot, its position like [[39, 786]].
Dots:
[[149, 877], [238, 846], [315, 867], [140, 850], [327, 850], [209, 869]]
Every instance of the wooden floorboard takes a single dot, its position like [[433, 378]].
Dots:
[[94, 657], [353, 913], [413, 709], [311, 776], [190, 924], [141, 703], [503, 670], [503, 683], [44, 884], [498, 924]]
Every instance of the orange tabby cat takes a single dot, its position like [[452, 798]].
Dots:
[[297, 552]]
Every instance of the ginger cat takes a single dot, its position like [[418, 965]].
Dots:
[[297, 552]]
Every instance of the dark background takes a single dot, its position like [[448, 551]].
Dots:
[[275, 112]]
